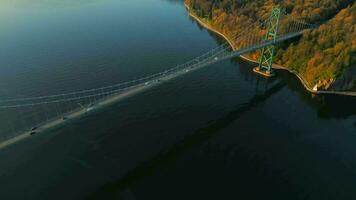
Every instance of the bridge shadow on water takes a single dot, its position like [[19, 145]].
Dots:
[[118, 188], [326, 107]]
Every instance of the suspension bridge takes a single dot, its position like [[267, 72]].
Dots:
[[28, 116]]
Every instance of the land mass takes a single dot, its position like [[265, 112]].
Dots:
[[325, 57]]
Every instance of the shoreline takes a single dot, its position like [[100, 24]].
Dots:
[[274, 66]]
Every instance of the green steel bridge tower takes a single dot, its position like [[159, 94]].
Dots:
[[267, 53]]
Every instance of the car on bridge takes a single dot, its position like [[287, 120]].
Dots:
[[33, 132]]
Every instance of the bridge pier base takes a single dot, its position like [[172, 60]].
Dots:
[[266, 73]]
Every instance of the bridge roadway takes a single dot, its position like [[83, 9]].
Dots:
[[198, 63]]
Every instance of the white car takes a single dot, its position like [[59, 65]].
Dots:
[[216, 58]]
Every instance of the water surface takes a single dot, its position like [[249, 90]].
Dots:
[[221, 132]]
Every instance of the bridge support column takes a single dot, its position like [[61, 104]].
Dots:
[[267, 53]]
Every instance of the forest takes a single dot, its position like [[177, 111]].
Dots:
[[325, 56]]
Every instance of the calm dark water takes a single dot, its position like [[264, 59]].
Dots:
[[218, 133]]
